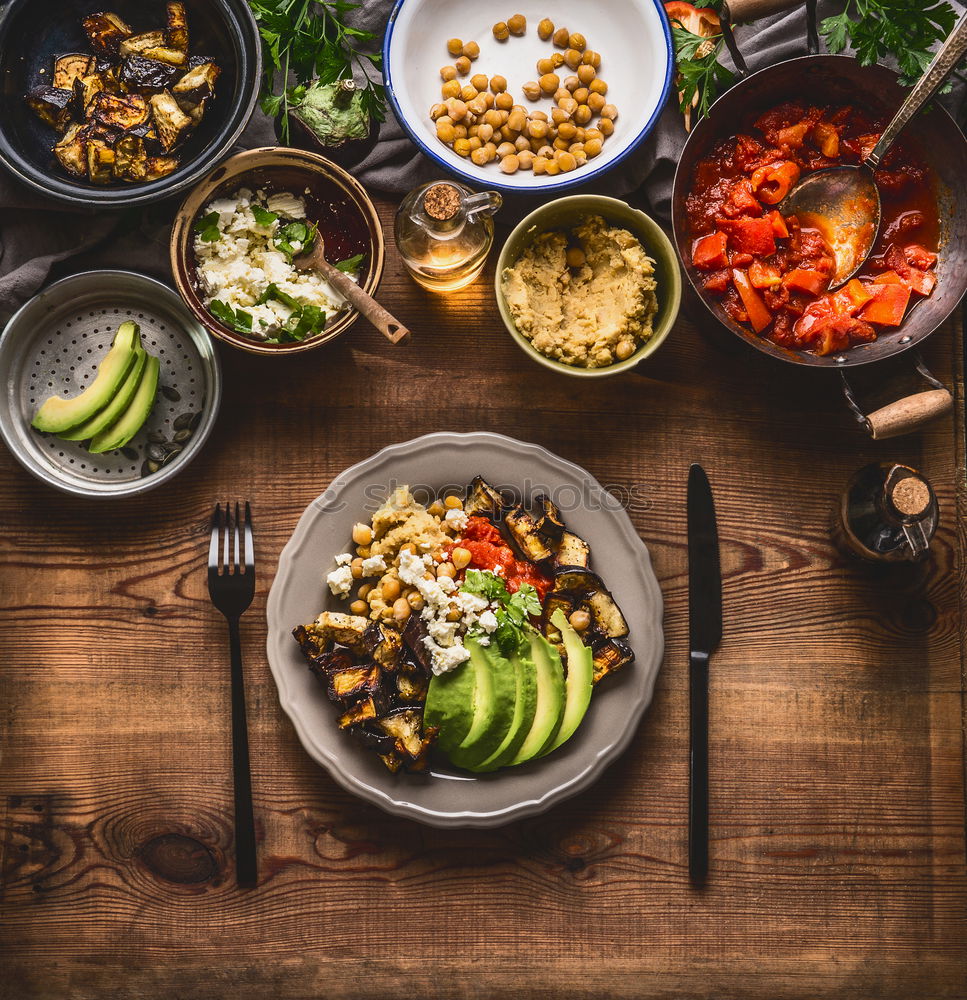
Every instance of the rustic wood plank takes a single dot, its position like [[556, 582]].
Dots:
[[837, 742]]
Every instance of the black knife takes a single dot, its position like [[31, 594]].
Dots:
[[705, 633]]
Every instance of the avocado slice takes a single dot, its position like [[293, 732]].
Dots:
[[114, 409], [550, 700], [449, 705], [129, 423], [494, 700], [58, 414], [577, 687], [525, 704]]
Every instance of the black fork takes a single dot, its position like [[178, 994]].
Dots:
[[231, 591]]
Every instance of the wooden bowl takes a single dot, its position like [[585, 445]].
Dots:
[[336, 202]]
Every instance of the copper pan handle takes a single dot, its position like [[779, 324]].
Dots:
[[908, 414], [743, 11]]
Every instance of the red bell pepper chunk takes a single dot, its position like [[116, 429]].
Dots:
[[708, 253], [888, 278], [753, 236], [759, 315], [771, 183], [804, 280], [764, 275], [855, 294], [921, 282], [919, 257], [887, 306], [779, 227]]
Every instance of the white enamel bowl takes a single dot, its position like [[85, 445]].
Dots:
[[632, 37]]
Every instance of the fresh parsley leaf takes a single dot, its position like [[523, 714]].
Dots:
[[312, 320], [237, 319], [207, 228], [273, 292], [484, 584], [507, 637], [700, 74], [262, 216], [292, 233], [351, 264], [526, 600]]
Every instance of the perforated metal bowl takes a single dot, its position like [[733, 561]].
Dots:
[[53, 346]]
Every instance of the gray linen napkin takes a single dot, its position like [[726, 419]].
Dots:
[[40, 239]]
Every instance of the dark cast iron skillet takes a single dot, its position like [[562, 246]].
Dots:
[[932, 135], [34, 32]]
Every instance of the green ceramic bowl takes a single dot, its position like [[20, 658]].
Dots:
[[565, 213]]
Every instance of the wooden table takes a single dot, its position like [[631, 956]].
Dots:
[[837, 740]]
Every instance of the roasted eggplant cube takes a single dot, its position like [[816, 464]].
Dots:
[[71, 151], [553, 601], [72, 67], [385, 644], [164, 54], [160, 166], [354, 681], [106, 31], [100, 162], [52, 105], [523, 530], [121, 112], [146, 76], [414, 634], [137, 44], [607, 616], [572, 550], [405, 725], [176, 33], [86, 89], [130, 159], [484, 500], [609, 656], [551, 524], [170, 122], [322, 665], [412, 688], [197, 84], [361, 711]]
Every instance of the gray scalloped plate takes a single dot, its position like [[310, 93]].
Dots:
[[443, 797]]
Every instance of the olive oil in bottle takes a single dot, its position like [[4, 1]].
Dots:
[[888, 514], [444, 232]]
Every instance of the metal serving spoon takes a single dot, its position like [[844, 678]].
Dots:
[[843, 203], [384, 321]]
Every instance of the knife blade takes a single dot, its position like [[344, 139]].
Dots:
[[705, 633]]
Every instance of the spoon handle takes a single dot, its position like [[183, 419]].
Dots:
[[944, 63], [384, 321]]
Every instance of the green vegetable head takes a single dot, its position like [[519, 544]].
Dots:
[[333, 112]]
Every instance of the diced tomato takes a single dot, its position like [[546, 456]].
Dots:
[[855, 295], [759, 315], [717, 282], [779, 227], [921, 282], [708, 253], [803, 280], [771, 183], [888, 278], [763, 274], [826, 137], [920, 257], [742, 201], [753, 236], [887, 306]]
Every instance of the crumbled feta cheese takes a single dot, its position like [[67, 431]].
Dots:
[[344, 559], [456, 519], [374, 566], [487, 621], [446, 584], [443, 660], [340, 581]]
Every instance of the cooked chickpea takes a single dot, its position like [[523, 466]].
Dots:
[[545, 66], [581, 95], [463, 65], [481, 157], [505, 149], [560, 94], [462, 147], [461, 557], [573, 58], [501, 31], [598, 86], [485, 132], [408, 547], [445, 132], [610, 112], [448, 73], [415, 600], [488, 100], [521, 143], [549, 82], [517, 24], [498, 84], [559, 116], [596, 102], [455, 46], [583, 115], [525, 158], [560, 145], [532, 90], [571, 83], [605, 125], [566, 130], [581, 157], [624, 350], [539, 165], [390, 588], [504, 101], [387, 612], [468, 92], [557, 58], [450, 89], [567, 161], [477, 106], [492, 118], [537, 129], [480, 81], [546, 151], [580, 134], [561, 37], [575, 257], [509, 164], [357, 568], [438, 111], [362, 533], [457, 109], [538, 116], [475, 143], [545, 29], [454, 615], [552, 168], [359, 608], [586, 74], [401, 609], [591, 58], [471, 50], [592, 147], [517, 121], [580, 620]]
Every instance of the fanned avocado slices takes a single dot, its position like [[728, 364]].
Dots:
[[130, 421], [114, 409]]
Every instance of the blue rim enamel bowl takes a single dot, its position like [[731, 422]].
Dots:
[[631, 36]]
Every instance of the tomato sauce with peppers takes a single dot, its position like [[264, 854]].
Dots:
[[772, 271], [489, 550]]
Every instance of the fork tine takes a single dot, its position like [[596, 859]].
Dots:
[[237, 565], [213, 545], [226, 531], [249, 541]]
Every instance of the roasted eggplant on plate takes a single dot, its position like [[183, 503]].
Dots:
[[123, 110]]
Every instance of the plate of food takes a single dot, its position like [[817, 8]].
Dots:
[[465, 629]]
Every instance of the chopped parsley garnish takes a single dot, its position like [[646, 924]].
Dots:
[[207, 228], [513, 611], [292, 233], [263, 217], [237, 319], [351, 264]]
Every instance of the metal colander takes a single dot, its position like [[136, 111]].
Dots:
[[54, 344]]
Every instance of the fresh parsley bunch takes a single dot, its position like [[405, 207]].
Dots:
[[513, 610]]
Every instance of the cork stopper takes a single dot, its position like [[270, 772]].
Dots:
[[910, 496], [441, 202]]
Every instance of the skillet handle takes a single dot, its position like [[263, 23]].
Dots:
[[908, 414], [743, 11]]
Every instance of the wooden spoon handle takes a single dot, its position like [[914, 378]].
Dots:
[[908, 414], [384, 321]]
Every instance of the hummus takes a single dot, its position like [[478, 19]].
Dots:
[[591, 315]]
